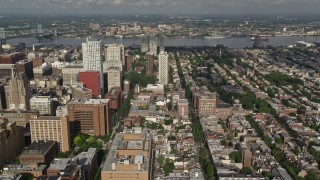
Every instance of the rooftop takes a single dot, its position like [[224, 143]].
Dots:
[[38, 148]]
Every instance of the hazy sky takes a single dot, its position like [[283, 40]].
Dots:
[[159, 6]]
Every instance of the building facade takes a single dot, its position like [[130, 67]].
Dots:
[[150, 63], [91, 80], [114, 78], [114, 56], [70, 74], [51, 128], [42, 104], [163, 68], [92, 58], [89, 117], [18, 93], [11, 140], [183, 108]]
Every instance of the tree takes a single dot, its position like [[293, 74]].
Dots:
[[160, 159], [235, 156], [246, 170], [168, 167], [78, 141], [210, 170], [169, 106], [311, 176]]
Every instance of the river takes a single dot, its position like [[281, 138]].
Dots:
[[232, 42]]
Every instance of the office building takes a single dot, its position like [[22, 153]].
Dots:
[[92, 59], [70, 74], [39, 153], [163, 68], [42, 104], [126, 86], [129, 156], [114, 56], [51, 128], [150, 63], [183, 108], [89, 117], [18, 93], [25, 66], [114, 78], [91, 80], [11, 140]]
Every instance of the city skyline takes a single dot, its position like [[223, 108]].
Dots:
[[56, 7]]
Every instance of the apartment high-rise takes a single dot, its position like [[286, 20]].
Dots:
[[129, 62], [89, 117], [18, 93], [11, 140], [114, 78], [150, 63], [163, 68], [92, 58], [114, 56], [51, 128], [206, 104]]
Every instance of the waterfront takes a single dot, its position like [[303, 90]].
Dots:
[[232, 42]]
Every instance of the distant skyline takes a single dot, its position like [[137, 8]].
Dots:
[[170, 7]]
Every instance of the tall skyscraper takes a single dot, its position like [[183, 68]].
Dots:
[[92, 58], [114, 56], [114, 78], [163, 68], [18, 93]]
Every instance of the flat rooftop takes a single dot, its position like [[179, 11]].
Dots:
[[119, 144], [38, 148]]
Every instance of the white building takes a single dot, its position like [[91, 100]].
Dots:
[[114, 57], [163, 68], [114, 78], [92, 58], [42, 104]]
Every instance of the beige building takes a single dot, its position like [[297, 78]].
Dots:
[[70, 74], [42, 104], [18, 93], [51, 128], [129, 156], [11, 140], [114, 57], [183, 108], [114, 78]]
